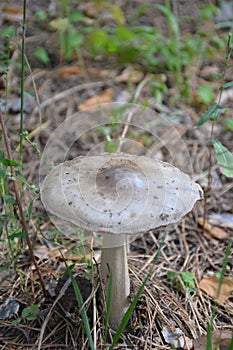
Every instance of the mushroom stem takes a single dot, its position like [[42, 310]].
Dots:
[[114, 259]]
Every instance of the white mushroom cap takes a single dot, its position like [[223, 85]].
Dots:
[[119, 193]]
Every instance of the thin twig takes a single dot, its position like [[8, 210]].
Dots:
[[130, 115], [66, 93]]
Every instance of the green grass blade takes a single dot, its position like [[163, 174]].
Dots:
[[224, 265], [129, 312], [231, 344], [22, 82], [226, 85], [83, 311], [222, 273], [108, 306], [210, 113], [209, 337]]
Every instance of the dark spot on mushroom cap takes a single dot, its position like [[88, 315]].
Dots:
[[163, 216]]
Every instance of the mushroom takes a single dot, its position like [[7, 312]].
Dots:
[[117, 195]]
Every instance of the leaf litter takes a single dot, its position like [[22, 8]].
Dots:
[[166, 315]]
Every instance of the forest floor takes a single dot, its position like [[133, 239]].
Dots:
[[179, 300]]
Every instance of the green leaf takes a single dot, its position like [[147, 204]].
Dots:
[[97, 40], [118, 15], [7, 32], [217, 114], [188, 279], [29, 213], [60, 24], [205, 92], [224, 158], [41, 15], [226, 85], [33, 188], [208, 11], [110, 146], [10, 162], [29, 312], [207, 115], [5, 266], [229, 124], [3, 173], [76, 16], [124, 33], [42, 55], [69, 269], [9, 199], [171, 276], [17, 235]]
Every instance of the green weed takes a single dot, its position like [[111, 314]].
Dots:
[[187, 278], [209, 345], [28, 313], [213, 113], [143, 45]]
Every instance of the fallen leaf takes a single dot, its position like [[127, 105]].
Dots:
[[8, 309], [130, 75], [218, 337], [214, 231], [54, 253], [209, 284], [41, 251], [73, 70], [102, 73], [104, 97], [11, 13], [223, 219], [91, 9], [7, 275], [98, 9], [176, 338], [13, 9]]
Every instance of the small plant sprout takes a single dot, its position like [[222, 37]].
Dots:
[[119, 195]]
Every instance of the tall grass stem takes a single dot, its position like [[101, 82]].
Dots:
[[22, 81]]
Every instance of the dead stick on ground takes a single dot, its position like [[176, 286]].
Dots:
[[17, 197], [66, 93]]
